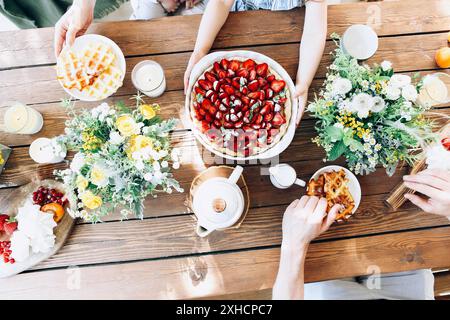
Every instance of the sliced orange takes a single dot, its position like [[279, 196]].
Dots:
[[54, 208]]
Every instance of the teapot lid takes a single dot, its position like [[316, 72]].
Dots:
[[218, 203]]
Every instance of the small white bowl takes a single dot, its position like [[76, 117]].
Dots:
[[353, 183], [360, 41]]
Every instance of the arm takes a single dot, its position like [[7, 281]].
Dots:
[[73, 23], [304, 220], [311, 49], [434, 184], [215, 15]]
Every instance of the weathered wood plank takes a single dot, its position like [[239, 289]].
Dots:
[[175, 235], [442, 284], [218, 274], [33, 47], [39, 84]]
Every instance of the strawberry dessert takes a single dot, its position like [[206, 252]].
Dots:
[[240, 107]]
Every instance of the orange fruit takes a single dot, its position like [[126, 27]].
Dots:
[[448, 36], [54, 208], [442, 57]]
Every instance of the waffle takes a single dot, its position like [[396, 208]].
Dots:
[[334, 187], [92, 69]]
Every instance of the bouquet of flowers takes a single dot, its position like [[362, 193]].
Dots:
[[122, 155], [369, 115]]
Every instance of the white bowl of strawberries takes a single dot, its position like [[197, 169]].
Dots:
[[241, 105]]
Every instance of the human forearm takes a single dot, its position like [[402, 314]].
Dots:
[[312, 43], [214, 17], [289, 284], [89, 4]]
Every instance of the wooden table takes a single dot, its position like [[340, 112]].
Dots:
[[161, 256]]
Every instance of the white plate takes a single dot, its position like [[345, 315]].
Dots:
[[353, 184], [206, 62], [82, 42]]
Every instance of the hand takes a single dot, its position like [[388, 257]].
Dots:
[[73, 23], [305, 220], [301, 93], [195, 57], [432, 183]]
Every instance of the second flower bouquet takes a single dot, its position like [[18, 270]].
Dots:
[[122, 155]]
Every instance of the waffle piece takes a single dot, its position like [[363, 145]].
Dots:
[[72, 72], [97, 58], [106, 83], [334, 187]]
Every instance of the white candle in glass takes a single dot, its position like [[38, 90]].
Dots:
[[360, 41], [148, 77], [22, 119], [42, 151]]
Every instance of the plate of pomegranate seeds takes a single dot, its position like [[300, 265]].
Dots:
[[47, 204], [241, 106]]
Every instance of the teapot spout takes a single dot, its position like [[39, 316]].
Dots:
[[236, 174]]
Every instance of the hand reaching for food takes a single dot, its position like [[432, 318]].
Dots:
[[435, 184], [73, 23]]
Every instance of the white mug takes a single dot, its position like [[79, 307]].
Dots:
[[284, 176]]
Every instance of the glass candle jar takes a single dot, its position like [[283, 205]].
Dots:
[[19, 118], [148, 77]]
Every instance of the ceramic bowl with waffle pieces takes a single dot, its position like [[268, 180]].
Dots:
[[92, 69], [338, 185]]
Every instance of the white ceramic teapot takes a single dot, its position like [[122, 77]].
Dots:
[[218, 203]]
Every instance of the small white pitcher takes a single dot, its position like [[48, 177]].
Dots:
[[218, 203], [284, 176]]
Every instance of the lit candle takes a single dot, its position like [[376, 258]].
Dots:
[[22, 119], [148, 77], [360, 41], [43, 150]]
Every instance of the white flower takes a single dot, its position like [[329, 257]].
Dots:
[[438, 157], [101, 112], [399, 80], [362, 104], [365, 84], [78, 162], [37, 226], [386, 65], [156, 166], [378, 104], [341, 86], [392, 92], [115, 138], [100, 174], [164, 164], [139, 165], [345, 105], [409, 92], [157, 177], [148, 176], [176, 165], [20, 246]]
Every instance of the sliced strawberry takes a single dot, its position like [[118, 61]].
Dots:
[[206, 104], [262, 82], [235, 65], [262, 95], [228, 89], [222, 74], [228, 125], [244, 90], [235, 83], [277, 85], [212, 110], [216, 86], [269, 125], [230, 73], [253, 95], [222, 107], [216, 67], [205, 84], [268, 116], [214, 98], [249, 64], [270, 78], [219, 115], [223, 95], [199, 91], [10, 225], [256, 126], [252, 75], [242, 73], [228, 79], [238, 124], [226, 101], [245, 100], [265, 109], [253, 86], [446, 143], [278, 119], [217, 124], [208, 118], [210, 77], [258, 118], [224, 63], [202, 112], [261, 69], [269, 93]]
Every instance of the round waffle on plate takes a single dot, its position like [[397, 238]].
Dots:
[[241, 105], [92, 69]]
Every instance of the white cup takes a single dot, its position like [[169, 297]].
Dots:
[[284, 176]]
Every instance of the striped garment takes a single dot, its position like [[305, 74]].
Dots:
[[243, 5]]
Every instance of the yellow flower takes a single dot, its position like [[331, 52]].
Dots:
[[139, 142], [90, 200], [147, 111], [126, 125], [98, 176], [82, 183], [2, 161]]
